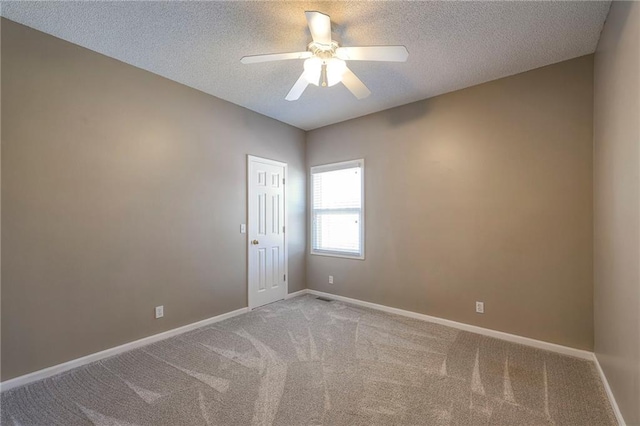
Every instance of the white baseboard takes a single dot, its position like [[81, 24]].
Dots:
[[607, 388], [78, 362], [74, 363], [296, 294], [69, 365], [565, 350]]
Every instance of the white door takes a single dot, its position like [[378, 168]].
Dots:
[[266, 231]]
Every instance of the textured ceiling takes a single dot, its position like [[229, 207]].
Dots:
[[451, 45]]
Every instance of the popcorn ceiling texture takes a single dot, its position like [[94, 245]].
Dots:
[[451, 45], [309, 362]]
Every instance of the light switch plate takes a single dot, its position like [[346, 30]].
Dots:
[[243, 228]]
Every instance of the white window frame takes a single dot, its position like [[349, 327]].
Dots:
[[328, 168]]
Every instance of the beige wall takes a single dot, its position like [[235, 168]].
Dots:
[[481, 194], [617, 205], [121, 190]]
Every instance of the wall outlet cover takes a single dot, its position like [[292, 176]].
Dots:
[[159, 311], [330, 279], [480, 307]]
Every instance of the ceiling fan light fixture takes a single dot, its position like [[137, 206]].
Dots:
[[335, 70], [313, 70]]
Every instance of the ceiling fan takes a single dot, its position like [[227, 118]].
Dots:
[[324, 63]]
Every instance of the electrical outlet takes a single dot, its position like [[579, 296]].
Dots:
[[480, 307], [159, 311], [330, 279]]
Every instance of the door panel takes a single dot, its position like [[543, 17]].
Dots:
[[275, 266], [262, 214], [266, 231], [275, 214], [262, 269]]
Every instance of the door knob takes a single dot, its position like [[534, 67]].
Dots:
[[254, 242]]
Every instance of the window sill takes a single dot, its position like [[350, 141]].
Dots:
[[343, 256]]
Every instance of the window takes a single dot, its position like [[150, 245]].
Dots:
[[337, 209]]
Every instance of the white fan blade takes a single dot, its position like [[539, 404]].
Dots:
[[353, 83], [320, 27], [373, 53], [297, 89], [254, 59]]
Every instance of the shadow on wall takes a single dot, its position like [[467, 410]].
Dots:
[[407, 113]]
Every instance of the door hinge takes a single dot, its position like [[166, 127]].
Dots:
[[285, 277]]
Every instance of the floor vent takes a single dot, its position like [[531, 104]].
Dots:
[[324, 299]]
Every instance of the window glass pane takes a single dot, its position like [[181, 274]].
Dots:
[[337, 189], [337, 232]]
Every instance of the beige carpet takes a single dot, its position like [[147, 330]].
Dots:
[[309, 362]]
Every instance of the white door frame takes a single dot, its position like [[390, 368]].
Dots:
[[250, 158]]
